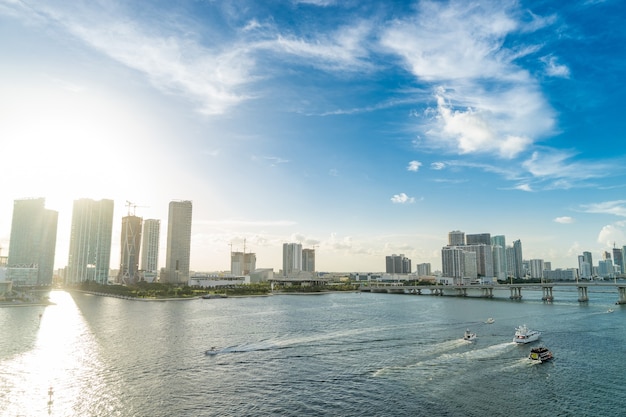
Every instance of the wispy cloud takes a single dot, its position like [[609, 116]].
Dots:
[[173, 61], [551, 164], [564, 220], [344, 49], [524, 187], [615, 207], [273, 160], [437, 166], [414, 166], [402, 198]]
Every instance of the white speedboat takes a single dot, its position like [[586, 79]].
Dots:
[[469, 336], [524, 335], [490, 320], [212, 351]]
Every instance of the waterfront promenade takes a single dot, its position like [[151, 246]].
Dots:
[[487, 290]]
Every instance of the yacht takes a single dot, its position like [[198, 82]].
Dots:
[[540, 354], [524, 335]]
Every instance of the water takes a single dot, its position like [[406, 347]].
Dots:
[[341, 354]]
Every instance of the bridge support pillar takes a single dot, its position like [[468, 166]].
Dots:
[[461, 292], [488, 292], [582, 294], [516, 293], [622, 295], [547, 294]]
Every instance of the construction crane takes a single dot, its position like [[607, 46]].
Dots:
[[134, 206]]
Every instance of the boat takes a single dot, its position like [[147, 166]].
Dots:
[[610, 310], [540, 354], [490, 320], [212, 351], [524, 335], [469, 336]]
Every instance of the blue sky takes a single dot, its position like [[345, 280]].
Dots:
[[360, 128]]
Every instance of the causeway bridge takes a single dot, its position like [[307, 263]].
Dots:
[[486, 290]]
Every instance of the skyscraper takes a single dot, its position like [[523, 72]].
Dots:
[[90, 241], [484, 259], [498, 244], [130, 246], [32, 243], [178, 250], [453, 262], [308, 260], [150, 248], [518, 267], [618, 260], [478, 238], [242, 263], [456, 238], [397, 264], [292, 258]]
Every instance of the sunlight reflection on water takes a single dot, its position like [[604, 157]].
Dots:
[[64, 353]]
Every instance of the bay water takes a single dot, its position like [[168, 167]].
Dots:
[[334, 354]]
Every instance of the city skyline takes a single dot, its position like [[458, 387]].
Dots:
[[360, 129]]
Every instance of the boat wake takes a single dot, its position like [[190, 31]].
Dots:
[[454, 358]]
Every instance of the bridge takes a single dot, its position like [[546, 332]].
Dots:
[[486, 290]]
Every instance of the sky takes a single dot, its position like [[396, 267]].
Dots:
[[358, 128]]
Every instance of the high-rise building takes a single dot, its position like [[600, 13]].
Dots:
[[498, 240], [584, 268], [90, 241], [484, 259], [178, 252], [242, 263], [453, 262], [588, 258], [518, 266], [423, 270], [308, 260], [456, 238], [397, 264], [32, 243], [618, 261], [537, 267], [477, 239], [292, 258], [130, 246], [150, 248]]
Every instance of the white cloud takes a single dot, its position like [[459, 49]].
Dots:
[[564, 220], [486, 103], [524, 187], [437, 166], [553, 68], [414, 166], [452, 40], [609, 235], [402, 198], [615, 207]]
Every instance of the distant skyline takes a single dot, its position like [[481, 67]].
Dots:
[[359, 128]]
